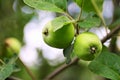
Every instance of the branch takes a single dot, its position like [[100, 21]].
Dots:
[[108, 36], [60, 69], [64, 66], [28, 70]]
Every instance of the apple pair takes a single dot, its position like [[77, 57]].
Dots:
[[86, 45]]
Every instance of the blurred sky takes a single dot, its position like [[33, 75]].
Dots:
[[33, 34]]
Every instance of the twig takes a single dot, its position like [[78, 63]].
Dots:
[[109, 35], [13, 78], [79, 17], [98, 12], [28, 71], [60, 69], [68, 16], [64, 66], [1, 61], [80, 11]]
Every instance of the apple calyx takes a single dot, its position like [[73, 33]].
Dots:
[[46, 32], [93, 50]]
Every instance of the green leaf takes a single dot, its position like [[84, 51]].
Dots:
[[60, 3], [90, 22], [44, 5], [67, 53], [115, 23], [106, 65], [6, 71], [87, 5], [99, 4], [59, 22], [13, 59]]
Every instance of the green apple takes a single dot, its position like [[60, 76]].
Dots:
[[13, 45], [87, 46], [61, 38]]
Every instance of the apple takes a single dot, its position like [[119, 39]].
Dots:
[[61, 38], [87, 46], [12, 45]]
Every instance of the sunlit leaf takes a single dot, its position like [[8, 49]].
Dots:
[[44, 5], [6, 71], [59, 22], [87, 5]]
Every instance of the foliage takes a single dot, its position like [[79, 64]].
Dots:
[[108, 65], [11, 25], [12, 22]]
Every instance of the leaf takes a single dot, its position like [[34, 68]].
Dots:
[[99, 4], [13, 59], [60, 3], [67, 53], [90, 22], [87, 5], [106, 65], [44, 5], [6, 71], [115, 23], [59, 22]]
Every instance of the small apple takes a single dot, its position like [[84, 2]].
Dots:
[[13, 45], [87, 46], [61, 38]]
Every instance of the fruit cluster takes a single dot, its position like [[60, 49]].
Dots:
[[87, 45]]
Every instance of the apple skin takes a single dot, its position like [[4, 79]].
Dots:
[[12, 45], [87, 46], [61, 38]]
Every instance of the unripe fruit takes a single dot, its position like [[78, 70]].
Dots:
[[12, 46], [87, 46], [61, 38]]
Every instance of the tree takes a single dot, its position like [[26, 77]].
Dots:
[[103, 67]]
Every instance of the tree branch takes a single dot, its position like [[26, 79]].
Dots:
[[28, 70], [64, 66], [60, 69], [115, 30]]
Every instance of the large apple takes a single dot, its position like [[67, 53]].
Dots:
[[61, 38], [87, 46]]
